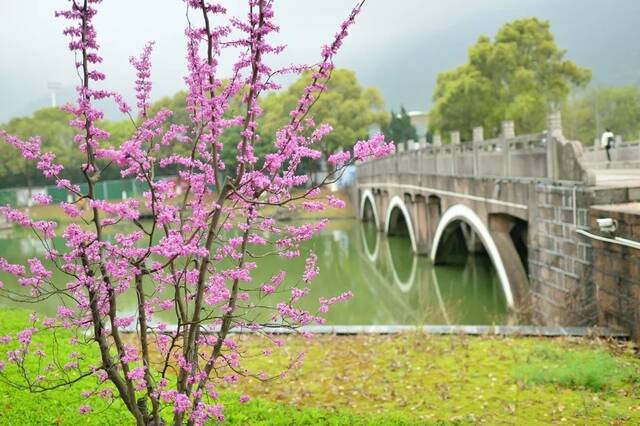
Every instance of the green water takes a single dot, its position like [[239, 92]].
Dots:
[[390, 284]]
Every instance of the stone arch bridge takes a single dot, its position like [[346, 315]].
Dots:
[[520, 199]]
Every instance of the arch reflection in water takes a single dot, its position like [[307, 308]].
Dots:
[[420, 293], [390, 284], [403, 285]]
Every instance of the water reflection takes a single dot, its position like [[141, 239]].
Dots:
[[463, 294], [390, 284]]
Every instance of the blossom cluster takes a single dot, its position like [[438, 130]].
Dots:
[[194, 257]]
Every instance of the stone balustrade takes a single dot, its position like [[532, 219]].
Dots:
[[546, 155], [514, 156]]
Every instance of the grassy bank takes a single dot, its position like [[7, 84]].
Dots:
[[403, 379]]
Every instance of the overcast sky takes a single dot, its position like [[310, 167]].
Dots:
[[396, 45]]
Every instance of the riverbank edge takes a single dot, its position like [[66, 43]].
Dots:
[[470, 330]]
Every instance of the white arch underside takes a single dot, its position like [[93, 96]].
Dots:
[[368, 195], [464, 213], [397, 202]]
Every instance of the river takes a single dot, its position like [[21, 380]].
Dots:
[[389, 283]]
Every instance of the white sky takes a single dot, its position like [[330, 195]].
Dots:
[[33, 50]]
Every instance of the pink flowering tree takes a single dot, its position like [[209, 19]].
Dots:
[[196, 256]]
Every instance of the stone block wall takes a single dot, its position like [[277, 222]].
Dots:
[[559, 262], [562, 263], [616, 269]]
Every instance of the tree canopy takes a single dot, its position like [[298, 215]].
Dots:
[[346, 105], [51, 125], [399, 128], [519, 76], [586, 115]]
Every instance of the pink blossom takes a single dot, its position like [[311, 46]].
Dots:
[[136, 374], [335, 202], [311, 270], [24, 336], [70, 210], [339, 158], [181, 403], [43, 199], [375, 147]]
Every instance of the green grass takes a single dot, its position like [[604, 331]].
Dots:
[[596, 370], [60, 407], [394, 380]]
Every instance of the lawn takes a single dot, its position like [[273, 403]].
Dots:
[[401, 379]]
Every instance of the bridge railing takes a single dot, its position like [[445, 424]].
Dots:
[[624, 154], [547, 155], [516, 156]]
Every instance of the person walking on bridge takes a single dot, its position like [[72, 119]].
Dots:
[[606, 142]]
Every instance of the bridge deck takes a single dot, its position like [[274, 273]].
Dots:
[[617, 177]]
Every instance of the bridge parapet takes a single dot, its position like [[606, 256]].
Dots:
[[624, 155], [521, 156], [545, 155]]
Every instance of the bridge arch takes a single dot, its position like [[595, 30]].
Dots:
[[397, 207], [367, 197], [460, 212]]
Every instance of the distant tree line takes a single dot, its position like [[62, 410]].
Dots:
[[399, 128], [521, 74], [348, 107], [586, 114]]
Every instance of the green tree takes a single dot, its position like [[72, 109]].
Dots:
[[399, 128], [52, 125], [57, 136], [586, 115], [518, 76], [347, 106]]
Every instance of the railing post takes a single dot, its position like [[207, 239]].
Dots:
[[554, 134], [455, 143], [435, 150], [478, 136], [508, 129], [455, 137], [508, 132]]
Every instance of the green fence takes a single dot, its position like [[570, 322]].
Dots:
[[105, 190]]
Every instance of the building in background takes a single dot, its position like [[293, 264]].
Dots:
[[420, 120]]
